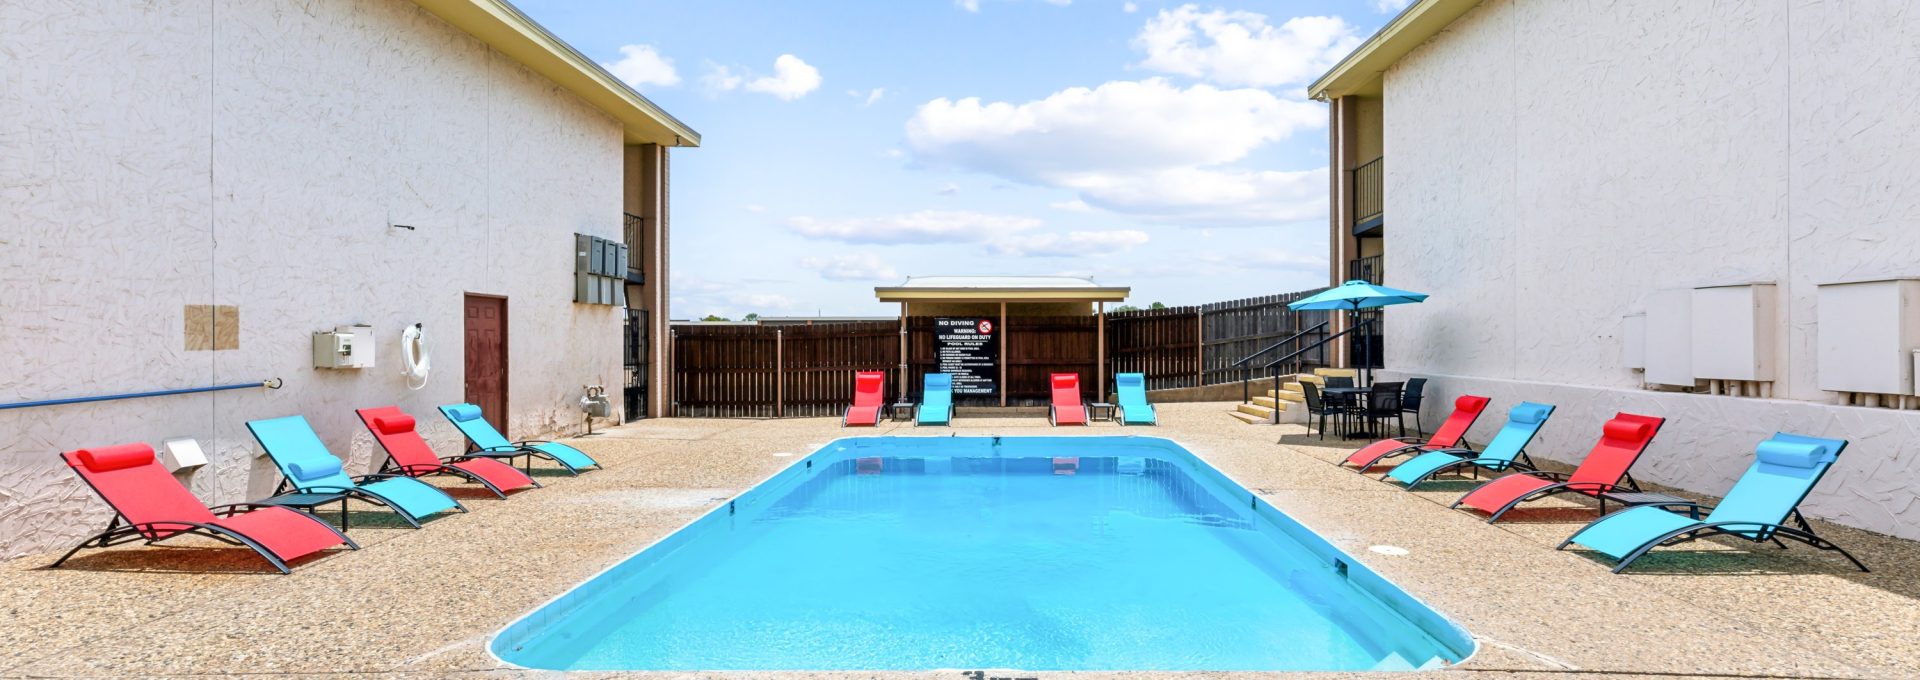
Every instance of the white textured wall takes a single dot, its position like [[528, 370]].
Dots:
[[159, 154], [1550, 164]]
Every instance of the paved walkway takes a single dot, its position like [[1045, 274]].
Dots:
[[424, 602]]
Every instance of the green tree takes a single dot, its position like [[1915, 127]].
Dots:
[[1124, 308], [751, 316], [715, 317], [1156, 305]]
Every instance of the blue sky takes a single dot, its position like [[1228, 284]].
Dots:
[[1164, 146]]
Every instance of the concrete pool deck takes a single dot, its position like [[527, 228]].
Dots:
[[424, 603]]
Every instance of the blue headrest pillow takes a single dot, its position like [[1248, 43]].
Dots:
[[464, 412], [1529, 412], [319, 467], [1792, 454]]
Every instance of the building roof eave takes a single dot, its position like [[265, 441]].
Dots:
[[501, 26], [1360, 72]]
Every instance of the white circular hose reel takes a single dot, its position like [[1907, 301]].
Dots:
[[414, 362]]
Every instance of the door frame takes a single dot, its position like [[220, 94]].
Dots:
[[506, 354]]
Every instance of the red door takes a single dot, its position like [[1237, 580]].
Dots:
[[487, 357]]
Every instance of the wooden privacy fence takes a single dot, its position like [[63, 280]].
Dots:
[[775, 371]]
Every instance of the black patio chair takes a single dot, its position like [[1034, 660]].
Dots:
[[1410, 401], [1383, 404]]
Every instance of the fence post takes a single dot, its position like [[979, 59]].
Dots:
[[779, 373], [1199, 347]]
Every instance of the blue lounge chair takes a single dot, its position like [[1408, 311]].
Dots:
[[310, 469], [1507, 450], [488, 442], [936, 408], [1785, 469], [1132, 390]]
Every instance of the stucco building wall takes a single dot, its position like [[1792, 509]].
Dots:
[[1551, 164], [157, 155]]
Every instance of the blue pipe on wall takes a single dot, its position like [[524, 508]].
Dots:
[[273, 384]]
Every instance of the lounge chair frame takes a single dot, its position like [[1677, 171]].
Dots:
[[121, 531], [442, 468], [357, 493], [1519, 462], [1757, 532], [1596, 490], [523, 449]]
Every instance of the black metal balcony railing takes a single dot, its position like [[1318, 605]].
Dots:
[[1368, 197], [1366, 269], [636, 252]]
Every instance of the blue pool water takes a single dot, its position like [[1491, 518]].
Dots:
[[1081, 553]]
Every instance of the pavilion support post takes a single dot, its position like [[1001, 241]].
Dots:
[[1100, 353], [901, 389], [1003, 353]]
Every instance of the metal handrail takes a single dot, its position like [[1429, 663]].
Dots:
[[1277, 345], [1363, 324], [1246, 375], [1274, 369]]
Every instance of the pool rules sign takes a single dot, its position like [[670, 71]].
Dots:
[[968, 349]]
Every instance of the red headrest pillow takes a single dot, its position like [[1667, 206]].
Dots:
[[120, 457], [394, 424], [1470, 403], [1626, 430]]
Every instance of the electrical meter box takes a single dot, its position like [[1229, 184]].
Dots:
[[344, 347]]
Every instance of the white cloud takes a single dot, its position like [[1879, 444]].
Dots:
[[697, 297], [868, 97], [1129, 7], [1070, 244], [720, 78], [1241, 48], [1149, 148], [792, 79], [642, 65], [923, 227], [851, 267], [754, 208], [948, 189], [1390, 6]]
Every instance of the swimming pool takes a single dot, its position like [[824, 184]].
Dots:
[[1031, 553]]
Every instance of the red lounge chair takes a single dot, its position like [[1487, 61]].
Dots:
[[1451, 435], [869, 388], [1067, 408], [409, 454], [150, 505], [1622, 440]]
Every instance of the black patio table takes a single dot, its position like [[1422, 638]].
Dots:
[[1346, 398]]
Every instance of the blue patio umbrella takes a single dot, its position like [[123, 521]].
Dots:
[[1354, 296]]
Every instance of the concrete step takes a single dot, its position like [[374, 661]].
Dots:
[[1340, 372], [1295, 396], [1249, 418], [1270, 402], [1255, 410]]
